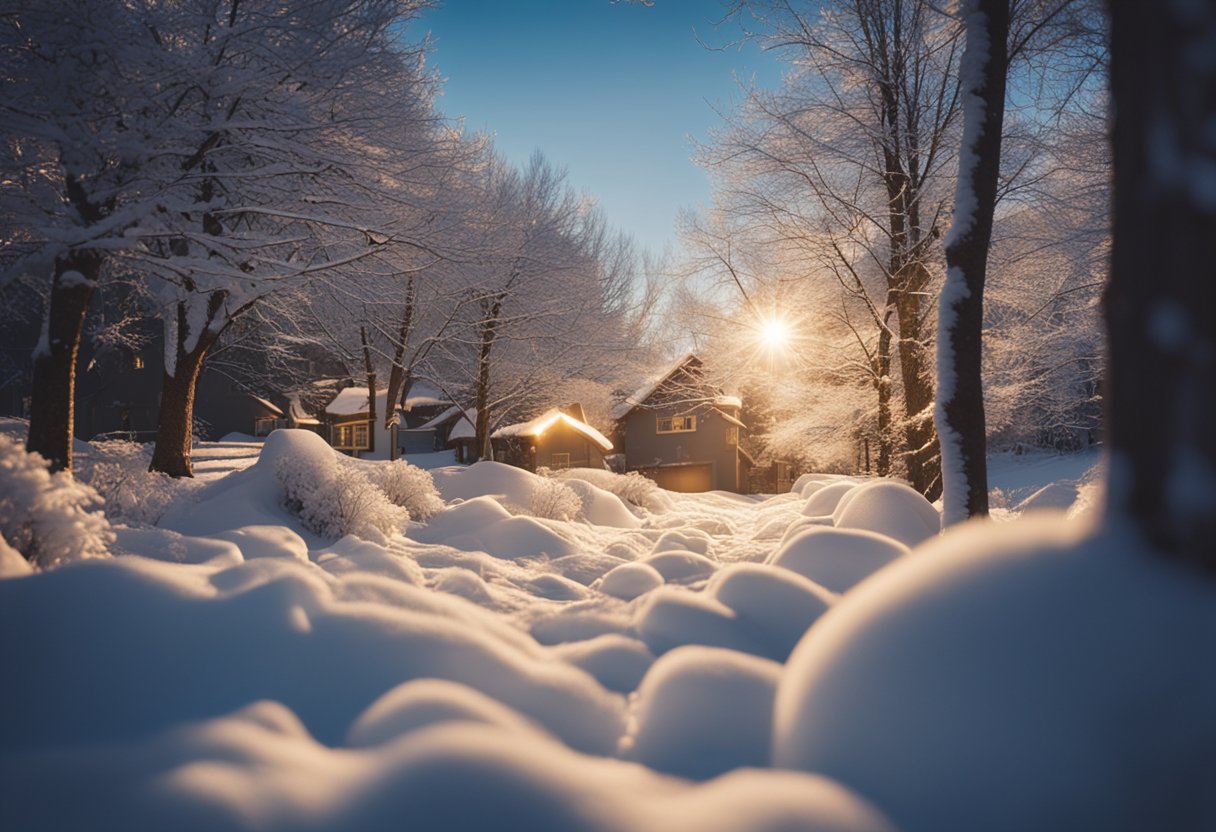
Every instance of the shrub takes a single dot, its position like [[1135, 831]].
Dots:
[[408, 486], [334, 500], [118, 471], [555, 501], [633, 488], [49, 518]]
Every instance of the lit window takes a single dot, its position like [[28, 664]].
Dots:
[[676, 424], [360, 436], [138, 361]]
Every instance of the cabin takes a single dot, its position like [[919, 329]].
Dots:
[[453, 429], [683, 433], [558, 438], [352, 430]]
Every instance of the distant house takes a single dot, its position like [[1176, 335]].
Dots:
[[683, 432], [453, 429], [352, 430], [558, 438]]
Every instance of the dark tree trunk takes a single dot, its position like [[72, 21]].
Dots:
[[921, 455], [960, 406], [175, 421], [53, 398], [489, 334], [883, 386], [1161, 299], [369, 369]]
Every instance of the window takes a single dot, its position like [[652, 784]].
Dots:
[[351, 436], [732, 435], [138, 361], [677, 424], [559, 460]]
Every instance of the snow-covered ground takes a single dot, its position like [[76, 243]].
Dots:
[[589, 652]]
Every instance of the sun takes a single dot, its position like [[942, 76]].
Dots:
[[774, 334]]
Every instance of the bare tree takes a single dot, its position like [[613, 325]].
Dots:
[[1161, 300]]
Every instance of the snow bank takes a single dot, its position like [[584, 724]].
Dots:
[[836, 558], [703, 711], [629, 580], [168, 643], [776, 606], [823, 500], [889, 508], [1015, 676]]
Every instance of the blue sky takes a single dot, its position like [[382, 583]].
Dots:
[[611, 92]]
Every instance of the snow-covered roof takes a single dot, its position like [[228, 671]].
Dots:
[[730, 419], [423, 394], [352, 400], [463, 429], [298, 414], [546, 420], [728, 401], [273, 408], [647, 390]]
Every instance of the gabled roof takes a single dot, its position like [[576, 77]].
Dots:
[[273, 408], [463, 429], [537, 426], [353, 400], [639, 396], [424, 394]]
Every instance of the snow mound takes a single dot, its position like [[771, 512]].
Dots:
[[486, 478], [481, 524], [600, 507], [616, 661], [629, 580], [1015, 676], [837, 559], [889, 508], [266, 542], [703, 711], [671, 617], [268, 629], [689, 539], [823, 501], [426, 702], [776, 605], [681, 566]]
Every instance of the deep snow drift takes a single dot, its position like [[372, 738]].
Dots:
[[587, 652]]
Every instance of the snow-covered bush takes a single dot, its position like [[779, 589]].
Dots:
[[632, 487], [408, 486], [553, 500], [334, 500], [118, 471], [49, 518]]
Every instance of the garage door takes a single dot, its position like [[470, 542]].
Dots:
[[685, 478]]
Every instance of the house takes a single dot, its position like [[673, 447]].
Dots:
[[682, 432], [352, 430], [558, 438], [454, 428]]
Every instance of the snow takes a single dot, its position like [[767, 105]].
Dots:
[[640, 665], [353, 400], [645, 391], [995, 680]]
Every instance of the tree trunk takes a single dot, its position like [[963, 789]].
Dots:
[[175, 420], [920, 439], [369, 369], [53, 398], [960, 398], [489, 334], [1161, 299], [883, 386]]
